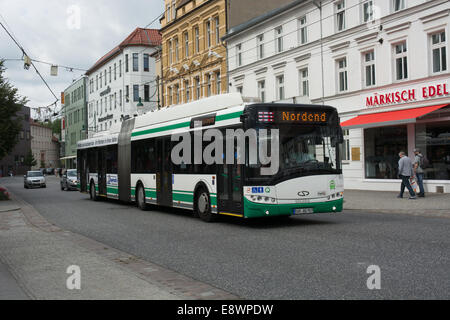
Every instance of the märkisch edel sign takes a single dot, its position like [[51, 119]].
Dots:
[[407, 95]]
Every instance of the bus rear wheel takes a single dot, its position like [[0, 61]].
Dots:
[[140, 197], [203, 206], [92, 192]]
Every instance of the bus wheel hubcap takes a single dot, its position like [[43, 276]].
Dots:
[[203, 203]]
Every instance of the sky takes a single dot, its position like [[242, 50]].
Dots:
[[65, 33]]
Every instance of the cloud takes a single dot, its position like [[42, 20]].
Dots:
[[45, 28]]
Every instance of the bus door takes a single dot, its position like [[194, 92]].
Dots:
[[230, 187], [102, 171], [82, 167], [164, 172]]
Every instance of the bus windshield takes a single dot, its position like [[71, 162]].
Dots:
[[304, 150]]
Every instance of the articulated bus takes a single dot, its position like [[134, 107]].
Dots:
[[132, 162]]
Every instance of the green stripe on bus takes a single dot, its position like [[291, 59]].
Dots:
[[183, 197], [150, 194], [112, 190], [185, 124]]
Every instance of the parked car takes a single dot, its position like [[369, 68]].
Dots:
[[49, 171], [69, 180], [34, 179]]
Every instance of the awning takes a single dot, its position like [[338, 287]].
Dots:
[[389, 118]]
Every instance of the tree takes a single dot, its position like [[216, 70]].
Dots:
[[30, 161], [10, 124]]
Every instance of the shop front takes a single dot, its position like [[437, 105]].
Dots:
[[394, 121]]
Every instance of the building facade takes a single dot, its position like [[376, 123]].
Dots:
[[123, 82], [74, 123], [44, 146], [382, 64], [14, 162], [193, 56]]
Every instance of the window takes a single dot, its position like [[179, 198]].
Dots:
[[398, 5], [170, 96], [120, 68], [218, 83], [146, 93], [101, 80], [197, 40], [106, 81], [22, 135], [110, 75], [96, 108], [135, 93], [216, 21], [208, 85], [110, 102], [369, 68], [262, 90], [120, 97], [176, 50], [170, 52], [96, 82], [239, 55], [401, 61], [304, 82], [432, 139], [174, 10], [279, 39], [280, 87], [126, 63], [381, 148], [197, 87], [127, 93], [208, 34], [135, 62], [344, 150], [438, 51], [260, 46], [168, 13], [367, 8], [187, 91], [101, 106], [303, 31], [342, 74], [177, 94], [115, 100], [186, 45], [146, 63], [340, 16]]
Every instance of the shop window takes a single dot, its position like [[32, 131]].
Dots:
[[381, 148], [433, 139]]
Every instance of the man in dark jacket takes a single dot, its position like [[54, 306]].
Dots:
[[418, 170]]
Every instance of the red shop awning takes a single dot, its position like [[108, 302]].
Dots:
[[389, 118]]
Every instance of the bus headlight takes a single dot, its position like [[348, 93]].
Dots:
[[260, 199]]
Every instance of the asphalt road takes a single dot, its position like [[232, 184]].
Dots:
[[323, 256]]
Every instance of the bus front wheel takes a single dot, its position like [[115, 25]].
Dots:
[[203, 206]]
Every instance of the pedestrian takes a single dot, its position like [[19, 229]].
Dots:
[[418, 170], [405, 171]]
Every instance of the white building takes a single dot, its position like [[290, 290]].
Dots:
[[382, 63], [123, 82]]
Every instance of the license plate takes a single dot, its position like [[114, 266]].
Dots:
[[304, 211]]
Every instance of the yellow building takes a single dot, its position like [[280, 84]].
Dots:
[[194, 62]]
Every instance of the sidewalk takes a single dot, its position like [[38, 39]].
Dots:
[[38, 254], [434, 204]]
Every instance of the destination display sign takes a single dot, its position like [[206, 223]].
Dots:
[[293, 117], [98, 142]]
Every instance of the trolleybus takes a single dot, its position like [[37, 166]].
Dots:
[[132, 161]]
